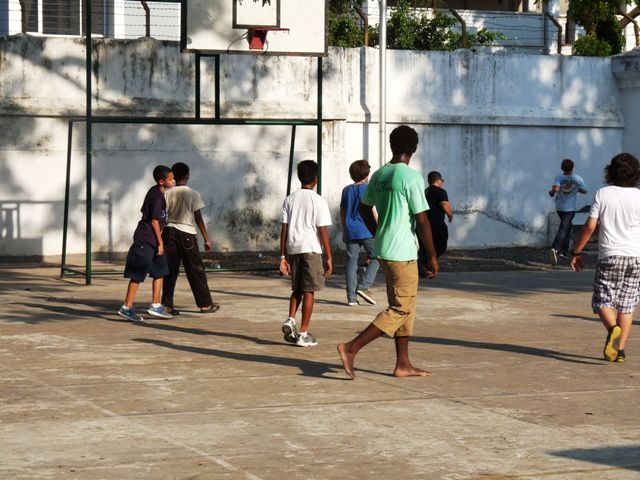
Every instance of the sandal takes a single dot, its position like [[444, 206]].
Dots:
[[213, 308], [171, 310]]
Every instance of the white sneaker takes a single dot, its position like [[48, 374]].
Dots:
[[306, 340], [289, 330]]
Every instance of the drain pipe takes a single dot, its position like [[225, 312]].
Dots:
[[382, 126]]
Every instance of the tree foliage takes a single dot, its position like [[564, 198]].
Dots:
[[406, 30]]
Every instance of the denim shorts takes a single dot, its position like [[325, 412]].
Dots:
[[142, 261]]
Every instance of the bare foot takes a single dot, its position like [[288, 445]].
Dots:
[[347, 360], [410, 372]]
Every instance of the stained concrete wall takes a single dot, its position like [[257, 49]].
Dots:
[[496, 126]]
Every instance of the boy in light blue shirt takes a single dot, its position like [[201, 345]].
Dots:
[[565, 189]]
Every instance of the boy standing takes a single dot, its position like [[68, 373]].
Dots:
[[439, 206], [397, 192], [356, 235], [146, 255], [181, 242], [565, 188], [303, 237], [616, 287]]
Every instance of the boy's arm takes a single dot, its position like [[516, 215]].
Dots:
[[323, 233], [285, 268], [203, 230], [554, 189], [155, 225], [343, 220], [423, 227], [585, 235], [366, 211]]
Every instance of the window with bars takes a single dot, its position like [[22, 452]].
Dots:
[[63, 17]]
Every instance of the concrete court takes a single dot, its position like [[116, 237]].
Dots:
[[519, 390]]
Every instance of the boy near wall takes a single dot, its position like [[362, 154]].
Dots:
[[303, 237], [146, 255]]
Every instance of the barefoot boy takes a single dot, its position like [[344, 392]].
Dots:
[[146, 255], [304, 235], [396, 191], [616, 287]]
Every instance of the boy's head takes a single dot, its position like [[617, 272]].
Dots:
[[623, 171], [308, 172], [403, 139], [567, 165], [163, 176], [180, 172], [359, 170], [433, 177]]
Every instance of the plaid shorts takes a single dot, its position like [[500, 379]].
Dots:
[[617, 284]]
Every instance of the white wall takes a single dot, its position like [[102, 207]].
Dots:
[[496, 126]]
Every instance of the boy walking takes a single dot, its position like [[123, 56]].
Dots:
[[181, 242], [146, 255], [356, 235], [616, 287], [397, 193], [565, 188], [303, 237]]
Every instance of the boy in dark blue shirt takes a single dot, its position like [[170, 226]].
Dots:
[[146, 255], [356, 235]]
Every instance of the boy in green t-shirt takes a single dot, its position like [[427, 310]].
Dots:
[[396, 191]]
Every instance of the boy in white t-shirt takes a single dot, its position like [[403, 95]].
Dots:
[[616, 288], [184, 205], [304, 235]]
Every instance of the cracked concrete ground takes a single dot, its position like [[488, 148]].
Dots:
[[519, 389]]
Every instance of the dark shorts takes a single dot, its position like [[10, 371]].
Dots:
[[142, 261], [307, 272]]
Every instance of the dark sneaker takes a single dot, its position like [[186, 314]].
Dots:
[[130, 314], [306, 340], [366, 296], [553, 255], [159, 312], [610, 351], [563, 255], [353, 304], [289, 330], [621, 356]]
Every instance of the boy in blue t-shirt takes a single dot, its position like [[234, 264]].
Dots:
[[146, 255], [565, 188], [356, 235]]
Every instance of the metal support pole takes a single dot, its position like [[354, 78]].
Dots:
[[89, 146], [291, 152], [67, 188], [319, 126], [217, 86], [197, 84], [382, 123]]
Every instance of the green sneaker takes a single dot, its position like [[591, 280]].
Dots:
[[610, 351]]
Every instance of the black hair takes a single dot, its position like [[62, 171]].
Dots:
[[567, 165], [623, 171], [359, 170], [433, 177], [307, 171], [403, 139], [161, 172], [180, 171]]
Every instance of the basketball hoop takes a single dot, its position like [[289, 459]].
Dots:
[[257, 37]]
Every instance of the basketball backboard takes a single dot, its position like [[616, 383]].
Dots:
[[292, 27]]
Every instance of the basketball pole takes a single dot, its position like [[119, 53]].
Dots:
[[382, 122]]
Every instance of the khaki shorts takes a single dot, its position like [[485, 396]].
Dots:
[[307, 272], [402, 290]]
